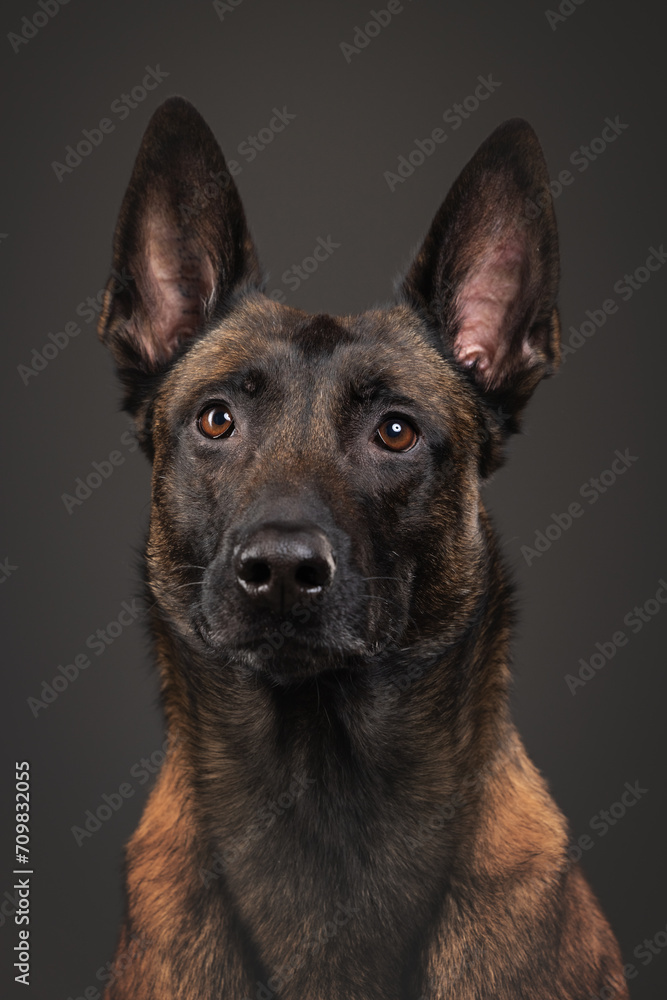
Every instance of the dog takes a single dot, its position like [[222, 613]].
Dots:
[[346, 811]]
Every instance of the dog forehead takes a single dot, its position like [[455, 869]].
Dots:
[[383, 349]]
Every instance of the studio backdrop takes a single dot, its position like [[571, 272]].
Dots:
[[344, 125]]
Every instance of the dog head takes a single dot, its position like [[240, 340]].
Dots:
[[316, 484]]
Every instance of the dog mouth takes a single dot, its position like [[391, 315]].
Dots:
[[279, 649]]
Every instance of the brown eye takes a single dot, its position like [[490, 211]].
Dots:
[[397, 434], [216, 422]]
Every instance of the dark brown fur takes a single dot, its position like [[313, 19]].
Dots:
[[346, 811]]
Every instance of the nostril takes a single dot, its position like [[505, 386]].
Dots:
[[312, 575], [280, 564], [255, 571]]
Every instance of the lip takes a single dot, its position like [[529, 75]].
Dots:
[[254, 636], [269, 644]]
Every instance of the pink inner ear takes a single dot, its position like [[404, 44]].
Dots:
[[176, 284], [485, 302]]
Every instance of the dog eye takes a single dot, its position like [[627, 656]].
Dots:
[[397, 434], [216, 421]]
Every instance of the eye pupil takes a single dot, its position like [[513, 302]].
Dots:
[[396, 435], [216, 422]]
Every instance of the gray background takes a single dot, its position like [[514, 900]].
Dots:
[[323, 176]]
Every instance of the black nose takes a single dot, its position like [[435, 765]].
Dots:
[[279, 565]]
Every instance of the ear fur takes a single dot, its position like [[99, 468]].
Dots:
[[181, 247], [487, 273]]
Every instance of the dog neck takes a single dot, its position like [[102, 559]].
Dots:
[[406, 727], [327, 796]]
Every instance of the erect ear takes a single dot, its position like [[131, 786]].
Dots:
[[181, 246], [487, 272]]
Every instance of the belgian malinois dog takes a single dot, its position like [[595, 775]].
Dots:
[[346, 811]]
